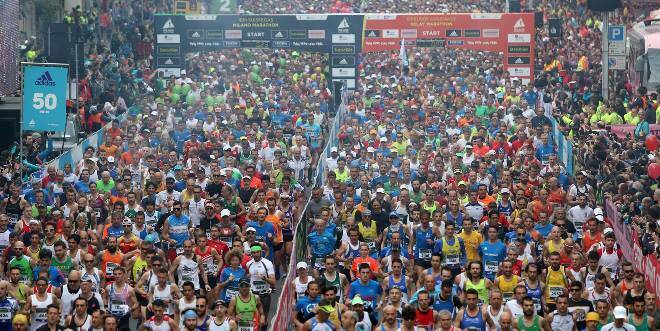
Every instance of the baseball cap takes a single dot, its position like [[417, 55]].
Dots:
[[505, 191], [380, 190], [598, 214], [608, 230], [327, 308], [394, 214], [592, 316], [462, 183], [249, 229], [333, 150], [256, 248], [86, 278], [226, 212], [620, 312], [150, 238], [243, 281], [301, 265], [366, 212], [357, 300], [127, 221], [111, 159], [189, 314]]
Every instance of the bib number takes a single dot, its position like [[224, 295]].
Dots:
[[452, 259], [109, 268], [5, 314], [319, 262], [245, 326], [425, 254], [117, 308], [260, 286], [179, 251], [231, 292], [226, 240], [556, 291], [40, 314], [371, 245], [579, 228], [492, 266]]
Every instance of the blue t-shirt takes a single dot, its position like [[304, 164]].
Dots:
[[232, 287], [369, 292], [544, 230], [492, 255], [262, 235], [9, 307], [322, 244], [114, 231], [305, 306], [55, 276], [179, 228]]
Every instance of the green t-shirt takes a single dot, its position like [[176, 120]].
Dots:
[[103, 187]]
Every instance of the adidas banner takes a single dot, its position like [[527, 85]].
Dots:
[[44, 97]]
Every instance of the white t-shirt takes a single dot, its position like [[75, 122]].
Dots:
[[515, 308], [258, 270]]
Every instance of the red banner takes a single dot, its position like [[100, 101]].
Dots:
[[512, 34], [621, 130], [628, 240]]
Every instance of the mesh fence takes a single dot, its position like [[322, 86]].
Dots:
[[9, 39]]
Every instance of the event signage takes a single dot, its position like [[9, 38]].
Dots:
[[338, 35], [44, 96], [510, 33]]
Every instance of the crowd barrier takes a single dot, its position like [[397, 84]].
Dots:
[[564, 147], [629, 241], [284, 314]]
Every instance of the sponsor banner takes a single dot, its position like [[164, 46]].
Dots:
[[343, 72], [349, 83], [485, 32], [313, 33], [44, 97], [481, 32], [622, 130], [628, 240]]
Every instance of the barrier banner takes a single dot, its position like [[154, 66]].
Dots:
[[44, 96], [622, 130], [628, 240], [511, 33]]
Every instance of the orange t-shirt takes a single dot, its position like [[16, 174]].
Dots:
[[109, 150], [275, 221], [109, 262]]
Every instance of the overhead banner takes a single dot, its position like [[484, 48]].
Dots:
[[44, 96], [339, 35], [511, 33]]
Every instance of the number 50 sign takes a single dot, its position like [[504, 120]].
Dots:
[[44, 96]]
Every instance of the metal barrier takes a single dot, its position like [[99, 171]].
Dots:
[[283, 315]]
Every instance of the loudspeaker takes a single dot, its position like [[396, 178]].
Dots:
[[554, 28], [538, 19], [60, 46], [336, 93], [603, 5], [514, 6]]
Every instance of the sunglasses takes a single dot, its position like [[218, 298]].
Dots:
[[176, 209]]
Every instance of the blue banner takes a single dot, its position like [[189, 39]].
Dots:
[[44, 97]]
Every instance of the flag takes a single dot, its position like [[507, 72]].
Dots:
[[402, 53]]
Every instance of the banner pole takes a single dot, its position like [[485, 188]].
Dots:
[[20, 123]]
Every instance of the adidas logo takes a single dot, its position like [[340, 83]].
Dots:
[[519, 61], [168, 25], [453, 34], [343, 24], [343, 61], [169, 61], [45, 80], [519, 24], [371, 34], [279, 35], [195, 34]]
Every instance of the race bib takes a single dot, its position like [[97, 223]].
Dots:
[[372, 245], [211, 268], [5, 314], [40, 314], [452, 259], [492, 266], [118, 308], [186, 278], [245, 325], [319, 263], [97, 212], [425, 254], [109, 268], [556, 291], [579, 228], [231, 292], [506, 296], [179, 251], [260, 286], [537, 303], [226, 240]]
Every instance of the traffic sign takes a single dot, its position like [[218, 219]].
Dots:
[[616, 33]]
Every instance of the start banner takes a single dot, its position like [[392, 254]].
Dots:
[[512, 34]]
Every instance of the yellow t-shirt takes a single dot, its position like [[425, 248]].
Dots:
[[472, 242]]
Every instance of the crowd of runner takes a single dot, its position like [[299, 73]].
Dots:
[[445, 205]]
